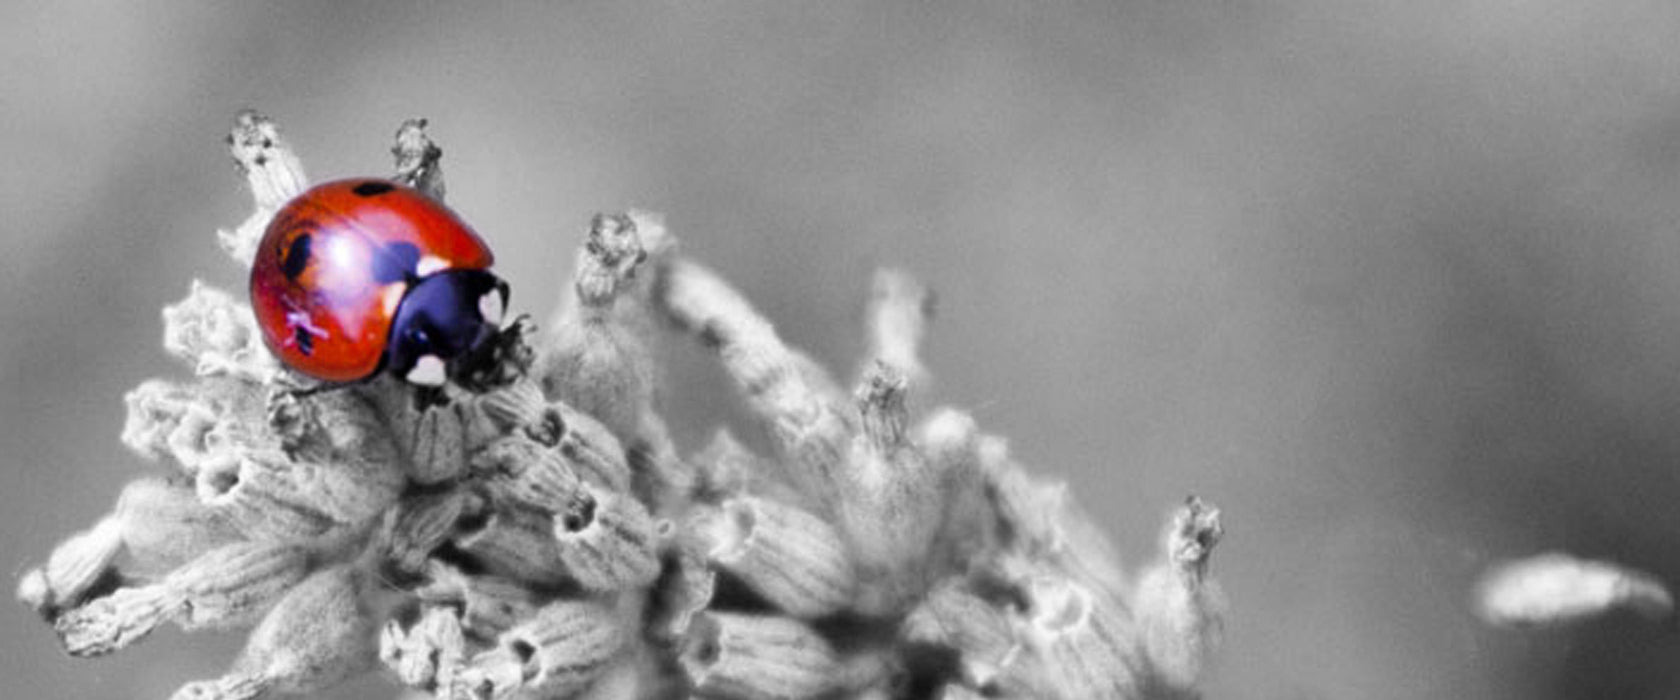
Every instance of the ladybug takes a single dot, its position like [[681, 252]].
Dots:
[[362, 276]]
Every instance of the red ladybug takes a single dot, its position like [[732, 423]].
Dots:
[[360, 276]]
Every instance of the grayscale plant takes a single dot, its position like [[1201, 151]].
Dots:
[[542, 536]]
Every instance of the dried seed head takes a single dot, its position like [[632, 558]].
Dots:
[[228, 586], [273, 172], [1080, 643], [76, 566], [954, 617], [316, 636], [590, 449], [880, 401], [419, 160], [565, 645], [517, 545], [607, 543], [515, 406], [607, 264], [893, 503], [950, 441], [431, 439], [414, 529], [520, 471], [270, 497], [796, 560], [1041, 519], [757, 658], [217, 335], [165, 525], [807, 423], [158, 410]]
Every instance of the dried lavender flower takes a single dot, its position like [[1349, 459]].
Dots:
[[1180, 612], [315, 637], [534, 531], [754, 657], [798, 562]]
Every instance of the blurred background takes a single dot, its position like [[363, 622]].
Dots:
[[1396, 284]]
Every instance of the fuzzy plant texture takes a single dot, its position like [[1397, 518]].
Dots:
[[539, 535]]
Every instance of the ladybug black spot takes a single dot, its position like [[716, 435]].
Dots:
[[297, 257], [305, 341], [372, 188]]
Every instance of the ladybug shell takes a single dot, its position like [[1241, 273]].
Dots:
[[337, 260]]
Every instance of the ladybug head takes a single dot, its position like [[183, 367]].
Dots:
[[442, 321]]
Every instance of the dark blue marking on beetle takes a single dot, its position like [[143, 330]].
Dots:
[[297, 257]]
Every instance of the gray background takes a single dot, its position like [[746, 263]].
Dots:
[[1397, 284]]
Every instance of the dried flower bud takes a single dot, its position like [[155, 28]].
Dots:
[[272, 497], [757, 658], [795, 560], [418, 159], [804, 421], [165, 418], [522, 471], [275, 176], [591, 450], [1080, 643], [431, 439], [563, 648], [1556, 588], [165, 525], [607, 263], [513, 544], [316, 636], [607, 543], [227, 586], [416, 528], [593, 361], [1042, 519], [489, 604], [74, 567], [950, 442], [893, 503], [217, 335], [517, 405], [954, 617], [427, 651], [1180, 610]]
